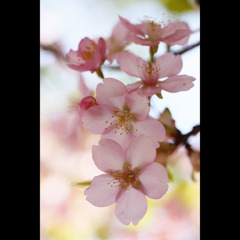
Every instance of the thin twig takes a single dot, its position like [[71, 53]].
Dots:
[[186, 49], [55, 49]]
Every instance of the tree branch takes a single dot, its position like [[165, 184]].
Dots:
[[186, 49], [55, 49]]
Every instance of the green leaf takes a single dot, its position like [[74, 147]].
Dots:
[[178, 5], [86, 183]]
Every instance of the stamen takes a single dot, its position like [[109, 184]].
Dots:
[[124, 120], [126, 178]]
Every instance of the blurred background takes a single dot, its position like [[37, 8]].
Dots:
[[65, 147]]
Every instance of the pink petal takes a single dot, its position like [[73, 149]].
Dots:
[[85, 43], [83, 67], [120, 33], [149, 90], [85, 104], [119, 39], [169, 64], [141, 151], [73, 57], [84, 90], [119, 136], [131, 206], [94, 119], [177, 83], [108, 155], [133, 86], [131, 27], [174, 33], [102, 47], [138, 105], [130, 63], [151, 128], [154, 179], [182, 41], [101, 192], [111, 92]]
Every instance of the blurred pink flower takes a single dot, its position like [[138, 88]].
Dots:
[[86, 103], [117, 41], [121, 115], [167, 65], [89, 56], [149, 33], [129, 176]]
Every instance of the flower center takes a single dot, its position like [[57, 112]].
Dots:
[[124, 120], [88, 51], [121, 120], [149, 73], [126, 178]]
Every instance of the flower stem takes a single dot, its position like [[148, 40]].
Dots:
[[100, 73], [152, 51]]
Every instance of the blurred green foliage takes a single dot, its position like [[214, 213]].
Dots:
[[179, 6]]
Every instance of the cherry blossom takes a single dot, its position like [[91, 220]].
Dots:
[[89, 56], [121, 115], [117, 42], [129, 176], [86, 103], [149, 33], [167, 65]]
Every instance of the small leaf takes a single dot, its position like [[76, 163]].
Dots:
[[178, 5], [86, 183], [170, 174], [159, 95]]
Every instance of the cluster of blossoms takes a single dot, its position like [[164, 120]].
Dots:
[[126, 151]]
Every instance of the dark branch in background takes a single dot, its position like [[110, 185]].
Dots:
[[186, 49], [54, 48], [183, 138]]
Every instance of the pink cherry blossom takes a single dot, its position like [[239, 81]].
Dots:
[[89, 56], [118, 40], [129, 176], [149, 33], [86, 103], [167, 65], [121, 115]]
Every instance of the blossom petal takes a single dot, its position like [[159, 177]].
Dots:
[[108, 155], [169, 64], [138, 105], [151, 128], [111, 92], [177, 83], [131, 206], [154, 179], [94, 119], [174, 33], [131, 27], [133, 86], [149, 90], [130, 63], [141, 151], [101, 192], [73, 57], [102, 46], [119, 136]]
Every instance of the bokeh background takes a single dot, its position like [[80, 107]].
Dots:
[[65, 147]]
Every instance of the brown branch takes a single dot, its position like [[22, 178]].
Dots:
[[183, 138], [186, 49], [55, 49]]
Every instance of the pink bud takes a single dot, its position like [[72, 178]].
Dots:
[[86, 103]]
